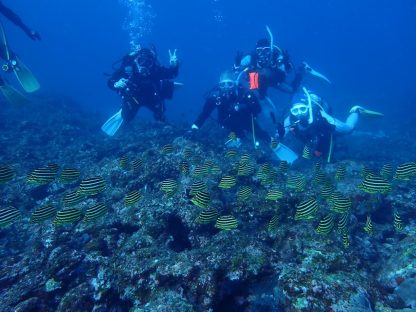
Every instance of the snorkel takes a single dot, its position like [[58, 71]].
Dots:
[[271, 37], [310, 120]]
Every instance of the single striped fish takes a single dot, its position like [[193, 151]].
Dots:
[[226, 223], [91, 186], [6, 174], [8, 216], [207, 216], [67, 215], [43, 213], [95, 211], [306, 210], [131, 198], [201, 199]]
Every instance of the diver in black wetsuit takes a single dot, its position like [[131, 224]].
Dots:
[[236, 106], [15, 19], [142, 81], [268, 66]]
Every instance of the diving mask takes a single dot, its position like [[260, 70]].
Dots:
[[299, 110]]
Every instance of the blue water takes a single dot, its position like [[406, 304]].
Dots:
[[366, 48]]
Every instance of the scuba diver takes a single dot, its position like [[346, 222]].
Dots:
[[237, 110], [13, 63], [310, 122], [268, 66], [142, 81]]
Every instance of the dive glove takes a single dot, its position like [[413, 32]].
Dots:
[[173, 59], [121, 84]]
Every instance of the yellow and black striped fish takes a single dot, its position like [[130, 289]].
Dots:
[[368, 227], [244, 193], [6, 174], [227, 182], [339, 203], [319, 178], [326, 225], [198, 186], [317, 167], [131, 198], [397, 222], [374, 184], [272, 225], [207, 216], [69, 175], [201, 171], [340, 173], [43, 213], [274, 195], [137, 164], [67, 215], [169, 186], [296, 182], [123, 162], [386, 171], [201, 199], [8, 216], [306, 210], [91, 186], [343, 222], [167, 149], [283, 166], [95, 211], [41, 176], [327, 190], [72, 198], [345, 240], [405, 171], [245, 158], [215, 170], [231, 153], [306, 153], [245, 169], [226, 223]]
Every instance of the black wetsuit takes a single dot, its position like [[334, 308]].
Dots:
[[144, 90], [234, 112], [14, 18], [274, 75], [316, 135]]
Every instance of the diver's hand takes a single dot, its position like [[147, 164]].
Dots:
[[305, 68], [173, 59], [34, 35], [121, 84]]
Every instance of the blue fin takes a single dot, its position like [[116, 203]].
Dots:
[[112, 125]]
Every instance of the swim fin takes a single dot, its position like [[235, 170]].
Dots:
[[365, 112], [12, 96], [112, 125], [285, 153], [25, 76], [313, 72], [21, 71]]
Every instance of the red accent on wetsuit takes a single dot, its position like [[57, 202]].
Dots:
[[254, 80]]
